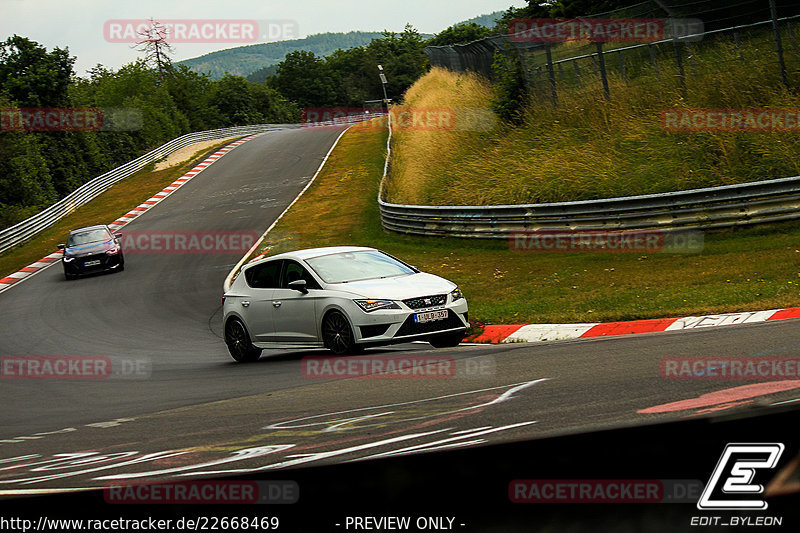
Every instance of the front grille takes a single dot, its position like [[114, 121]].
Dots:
[[373, 331], [426, 301], [410, 327]]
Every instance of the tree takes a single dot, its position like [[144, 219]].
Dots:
[[33, 77], [534, 9], [460, 33], [306, 79], [156, 48], [402, 57]]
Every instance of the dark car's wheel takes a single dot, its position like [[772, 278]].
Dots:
[[337, 334], [447, 340], [238, 341], [69, 276]]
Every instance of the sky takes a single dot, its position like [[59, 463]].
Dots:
[[84, 26]]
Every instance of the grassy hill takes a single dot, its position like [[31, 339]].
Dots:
[[244, 60]]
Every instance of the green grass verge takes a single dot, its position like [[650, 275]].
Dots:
[[738, 270], [112, 204]]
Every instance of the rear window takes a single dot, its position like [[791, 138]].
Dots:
[[264, 276]]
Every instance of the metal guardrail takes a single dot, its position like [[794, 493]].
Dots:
[[714, 207], [26, 229]]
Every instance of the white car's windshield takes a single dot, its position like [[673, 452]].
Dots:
[[356, 266]]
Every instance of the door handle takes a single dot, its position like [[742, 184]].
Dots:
[[276, 304], [245, 303]]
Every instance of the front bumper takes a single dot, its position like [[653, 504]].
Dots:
[[399, 325], [96, 263]]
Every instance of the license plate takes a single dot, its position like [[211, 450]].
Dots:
[[430, 316], [92, 263]]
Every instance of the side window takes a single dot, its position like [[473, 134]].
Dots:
[[293, 271], [264, 276]]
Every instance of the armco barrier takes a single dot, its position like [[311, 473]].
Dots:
[[714, 207], [24, 230]]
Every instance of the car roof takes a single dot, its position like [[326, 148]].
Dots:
[[87, 228], [310, 253]]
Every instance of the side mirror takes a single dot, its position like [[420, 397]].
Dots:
[[298, 285], [118, 235], [61, 246]]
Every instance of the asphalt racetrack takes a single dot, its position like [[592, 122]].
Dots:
[[192, 412]]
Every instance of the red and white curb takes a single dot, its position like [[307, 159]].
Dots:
[[557, 332], [131, 215]]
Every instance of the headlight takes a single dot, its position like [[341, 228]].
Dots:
[[456, 294], [67, 259], [112, 251], [374, 305]]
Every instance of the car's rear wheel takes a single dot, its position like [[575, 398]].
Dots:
[[337, 335], [448, 340], [238, 341]]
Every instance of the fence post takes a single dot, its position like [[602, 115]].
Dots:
[[791, 35], [603, 75], [551, 73], [622, 66], [577, 72], [679, 61], [738, 45], [778, 44], [690, 56], [653, 60]]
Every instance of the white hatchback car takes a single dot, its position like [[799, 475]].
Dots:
[[343, 298]]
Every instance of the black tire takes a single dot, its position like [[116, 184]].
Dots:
[[448, 340], [238, 341], [69, 277], [337, 335]]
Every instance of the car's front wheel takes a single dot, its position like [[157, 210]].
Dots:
[[337, 335], [448, 340], [238, 341]]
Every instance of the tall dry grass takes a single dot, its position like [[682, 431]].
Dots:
[[588, 147]]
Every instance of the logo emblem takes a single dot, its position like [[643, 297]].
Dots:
[[737, 467]]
